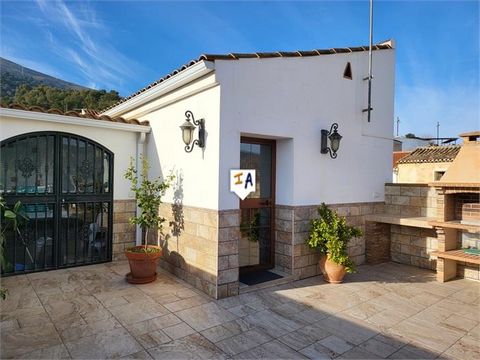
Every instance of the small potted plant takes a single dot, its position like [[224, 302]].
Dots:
[[330, 234], [143, 259]]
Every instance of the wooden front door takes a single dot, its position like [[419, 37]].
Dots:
[[256, 247]]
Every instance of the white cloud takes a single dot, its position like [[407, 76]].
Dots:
[[457, 108], [88, 47]]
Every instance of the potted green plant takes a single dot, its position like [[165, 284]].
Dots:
[[143, 259], [330, 235], [10, 218]]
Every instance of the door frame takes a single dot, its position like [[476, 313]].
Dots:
[[256, 203], [58, 198]]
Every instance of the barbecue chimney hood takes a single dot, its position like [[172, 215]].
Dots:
[[465, 169]]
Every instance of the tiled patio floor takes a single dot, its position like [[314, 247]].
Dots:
[[384, 311]]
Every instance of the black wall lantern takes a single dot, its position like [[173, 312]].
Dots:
[[188, 128], [334, 138]]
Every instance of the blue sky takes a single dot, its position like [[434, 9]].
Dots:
[[125, 45]]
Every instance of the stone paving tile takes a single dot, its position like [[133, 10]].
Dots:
[[412, 351], [465, 348], [17, 342], [378, 348], [190, 347], [389, 310], [105, 345], [358, 353], [475, 332], [139, 311], [178, 331], [79, 331], [205, 316], [218, 333], [336, 344], [440, 338], [243, 342], [271, 350], [460, 323], [386, 319], [348, 328], [318, 351], [153, 338], [158, 323], [271, 323], [120, 297], [304, 337], [139, 355], [9, 324], [50, 353], [186, 303], [243, 310], [364, 310]]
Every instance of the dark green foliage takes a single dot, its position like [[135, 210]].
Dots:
[[410, 136], [11, 218], [330, 235], [148, 194], [63, 99]]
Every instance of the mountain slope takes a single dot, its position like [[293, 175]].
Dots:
[[13, 75]]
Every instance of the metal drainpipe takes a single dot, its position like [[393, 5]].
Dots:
[[140, 150]]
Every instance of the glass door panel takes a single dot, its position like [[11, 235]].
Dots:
[[256, 226]]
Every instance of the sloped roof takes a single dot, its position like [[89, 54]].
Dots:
[[386, 45], [431, 154], [86, 114], [397, 155]]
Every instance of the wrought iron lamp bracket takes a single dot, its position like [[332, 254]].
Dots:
[[200, 142], [325, 149]]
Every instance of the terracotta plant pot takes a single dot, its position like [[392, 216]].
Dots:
[[143, 266], [334, 273]]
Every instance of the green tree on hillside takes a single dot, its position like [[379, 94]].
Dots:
[[49, 97]]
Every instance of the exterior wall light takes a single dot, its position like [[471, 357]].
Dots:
[[334, 138], [188, 128]]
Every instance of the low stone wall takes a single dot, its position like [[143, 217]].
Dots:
[[190, 243], [410, 200], [412, 246], [123, 231], [228, 253], [293, 256], [468, 271]]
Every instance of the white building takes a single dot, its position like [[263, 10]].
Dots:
[[263, 111]]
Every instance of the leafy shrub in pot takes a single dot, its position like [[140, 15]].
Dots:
[[330, 235]]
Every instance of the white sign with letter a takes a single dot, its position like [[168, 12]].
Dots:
[[242, 182]]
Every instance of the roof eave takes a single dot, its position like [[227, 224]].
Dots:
[[64, 119], [182, 78]]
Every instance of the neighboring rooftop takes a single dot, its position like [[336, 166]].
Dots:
[[85, 114], [431, 154], [386, 45]]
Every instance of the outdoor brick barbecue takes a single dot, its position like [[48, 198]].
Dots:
[[430, 226]]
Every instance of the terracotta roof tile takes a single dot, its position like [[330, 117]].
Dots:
[[431, 154], [87, 114], [260, 55]]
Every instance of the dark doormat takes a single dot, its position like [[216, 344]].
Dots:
[[258, 277]]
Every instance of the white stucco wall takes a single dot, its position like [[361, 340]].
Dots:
[[293, 99], [122, 143], [197, 172]]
